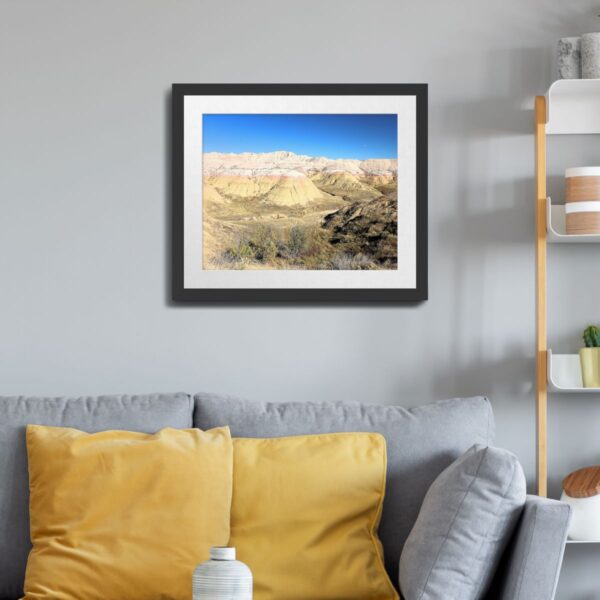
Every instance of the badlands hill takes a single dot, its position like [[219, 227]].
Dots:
[[286, 179], [280, 210], [219, 162]]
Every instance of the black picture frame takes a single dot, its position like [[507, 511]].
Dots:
[[337, 296]]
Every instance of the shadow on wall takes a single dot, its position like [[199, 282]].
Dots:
[[168, 220], [479, 236], [489, 221], [510, 377], [512, 79], [555, 185], [492, 222]]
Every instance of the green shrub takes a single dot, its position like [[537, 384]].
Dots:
[[347, 262], [297, 243], [263, 244], [242, 252]]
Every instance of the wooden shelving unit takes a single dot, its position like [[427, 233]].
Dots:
[[564, 375], [569, 107], [556, 228]]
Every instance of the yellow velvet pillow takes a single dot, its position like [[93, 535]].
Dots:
[[124, 516], [305, 513]]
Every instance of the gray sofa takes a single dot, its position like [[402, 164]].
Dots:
[[421, 443]]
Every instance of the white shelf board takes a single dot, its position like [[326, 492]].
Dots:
[[573, 106], [564, 374], [557, 229]]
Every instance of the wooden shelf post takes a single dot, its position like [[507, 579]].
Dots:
[[541, 298]]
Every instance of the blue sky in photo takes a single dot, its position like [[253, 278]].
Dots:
[[329, 135]]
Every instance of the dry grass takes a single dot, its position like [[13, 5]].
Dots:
[[296, 248], [252, 234]]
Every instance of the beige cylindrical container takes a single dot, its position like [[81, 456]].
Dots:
[[590, 367], [582, 210]]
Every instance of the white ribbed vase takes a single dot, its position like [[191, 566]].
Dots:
[[222, 577]]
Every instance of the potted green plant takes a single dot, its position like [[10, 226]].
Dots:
[[590, 357]]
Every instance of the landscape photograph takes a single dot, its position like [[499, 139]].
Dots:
[[300, 191]]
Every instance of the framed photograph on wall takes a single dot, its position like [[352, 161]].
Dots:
[[299, 193]]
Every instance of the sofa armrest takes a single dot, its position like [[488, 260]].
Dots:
[[532, 562]]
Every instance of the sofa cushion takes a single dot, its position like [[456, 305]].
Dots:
[[305, 513], [465, 523], [148, 414], [124, 515], [421, 443]]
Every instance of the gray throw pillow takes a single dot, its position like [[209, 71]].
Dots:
[[466, 520]]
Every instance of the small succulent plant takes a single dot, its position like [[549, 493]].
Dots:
[[591, 337]]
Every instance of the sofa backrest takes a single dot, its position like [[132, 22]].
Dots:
[[134, 413], [421, 443]]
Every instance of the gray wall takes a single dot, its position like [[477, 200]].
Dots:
[[84, 201]]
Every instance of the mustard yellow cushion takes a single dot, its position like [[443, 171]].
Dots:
[[305, 513], [124, 516]]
